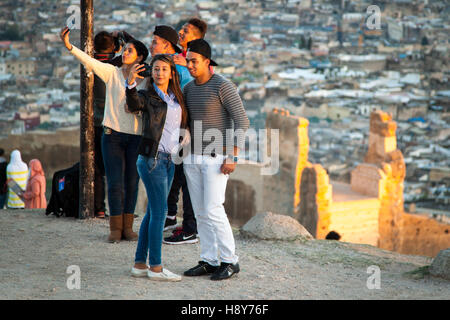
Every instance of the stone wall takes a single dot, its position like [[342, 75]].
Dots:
[[327, 207], [279, 192], [390, 169], [56, 150], [316, 195], [368, 179], [282, 190], [421, 235], [382, 175], [356, 221], [240, 204], [369, 210]]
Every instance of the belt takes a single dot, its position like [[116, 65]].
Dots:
[[163, 156], [107, 130]]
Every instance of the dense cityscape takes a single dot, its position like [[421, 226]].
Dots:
[[332, 62]]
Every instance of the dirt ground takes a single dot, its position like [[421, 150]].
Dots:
[[36, 251]]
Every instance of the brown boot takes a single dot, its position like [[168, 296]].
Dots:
[[127, 232], [115, 226]]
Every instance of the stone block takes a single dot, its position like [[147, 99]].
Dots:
[[440, 267], [368, 179], [270, 226]]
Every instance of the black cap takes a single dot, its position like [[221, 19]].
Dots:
[[169, 34], [141, 49], [202, 47]]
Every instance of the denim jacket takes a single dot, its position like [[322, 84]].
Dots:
[[154, 110]]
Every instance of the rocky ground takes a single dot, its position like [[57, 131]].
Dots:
[[36, 251]]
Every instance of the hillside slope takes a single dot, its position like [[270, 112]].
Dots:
[[36, 250]]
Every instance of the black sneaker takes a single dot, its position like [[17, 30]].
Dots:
[[225, 271], [181, 237], [170, 224], [201, 269]]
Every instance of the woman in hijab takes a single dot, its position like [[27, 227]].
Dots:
[[35, 193], [17, 170]]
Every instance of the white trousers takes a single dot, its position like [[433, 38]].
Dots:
[[207, 187]]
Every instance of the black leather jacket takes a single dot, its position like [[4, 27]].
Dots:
[[154, 110]]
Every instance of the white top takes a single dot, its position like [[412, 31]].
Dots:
[[17, 170], [171, 133], [115, 116]]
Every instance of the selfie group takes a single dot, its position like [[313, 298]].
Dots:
[[145, 116]]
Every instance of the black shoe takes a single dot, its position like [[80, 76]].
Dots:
[[201, 269], [181, 237], [225, 271], [170, 224]]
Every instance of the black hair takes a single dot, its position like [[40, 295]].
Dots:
[[201, 25], [104, 42], [141, 49], [333, 235]]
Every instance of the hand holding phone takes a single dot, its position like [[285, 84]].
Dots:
[[64, 35], [134, 74]]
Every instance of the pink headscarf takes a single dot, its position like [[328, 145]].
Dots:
[[36, 168], [33, 201]]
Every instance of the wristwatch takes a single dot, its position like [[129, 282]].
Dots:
[[233, 158]]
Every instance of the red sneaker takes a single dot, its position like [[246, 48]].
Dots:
[[100, 215]]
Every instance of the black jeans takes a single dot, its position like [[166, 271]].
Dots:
[[99, 179], [179, 181], [120, 153]]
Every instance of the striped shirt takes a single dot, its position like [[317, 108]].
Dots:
[[217, 116], [21, 178]]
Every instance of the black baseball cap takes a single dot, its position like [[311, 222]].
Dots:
[[202, 47], [169, 34]]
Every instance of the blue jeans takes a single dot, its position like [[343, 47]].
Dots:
[[120, 152], [157, 176]]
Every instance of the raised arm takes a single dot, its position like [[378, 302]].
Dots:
[[101, 69], [135, 100]]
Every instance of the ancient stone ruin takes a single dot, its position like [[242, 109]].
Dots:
[[369, 210]]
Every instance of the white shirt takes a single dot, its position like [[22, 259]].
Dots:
[[171, 133], [115, 116]]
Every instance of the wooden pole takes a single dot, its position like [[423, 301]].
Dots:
[[86, 205]]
